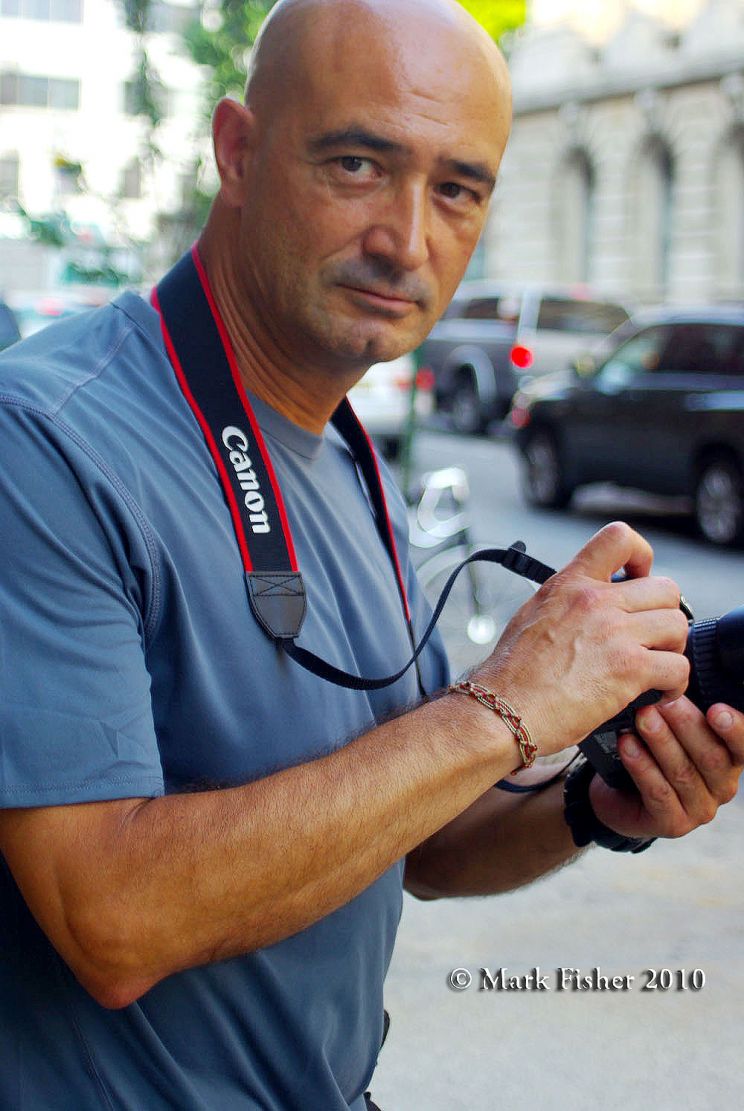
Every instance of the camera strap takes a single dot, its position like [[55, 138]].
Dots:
[[204, 363]]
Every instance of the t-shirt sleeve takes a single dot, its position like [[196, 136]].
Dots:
[[76, 720]]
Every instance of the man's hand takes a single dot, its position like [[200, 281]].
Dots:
[[584, 647], [689, 765]]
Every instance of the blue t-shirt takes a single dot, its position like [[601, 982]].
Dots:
[[132, 666]]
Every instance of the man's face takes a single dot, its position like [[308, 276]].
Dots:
[[367, 190]]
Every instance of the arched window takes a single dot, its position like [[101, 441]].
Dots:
[[729, 217], [652, 220], [574, 225], [9, 174]]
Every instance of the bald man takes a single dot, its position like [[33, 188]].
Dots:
[[205, 840]]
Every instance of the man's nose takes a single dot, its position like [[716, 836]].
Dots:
[[400, 233]]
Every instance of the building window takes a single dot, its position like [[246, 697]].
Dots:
[[653, 220], [131, 181], [574, 225], [135, 96], [55, 11], [27, 91], [729, 217], [9, 175]]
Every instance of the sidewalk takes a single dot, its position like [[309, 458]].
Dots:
[[680, 907]]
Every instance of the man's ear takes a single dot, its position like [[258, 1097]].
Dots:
[[233, 126]]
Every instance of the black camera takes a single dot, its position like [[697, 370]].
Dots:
[[715, 649]]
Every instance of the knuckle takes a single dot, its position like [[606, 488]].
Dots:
[[632, 658], [685, 774], [679, 828], [707, 813], [672, 592], [682, 627], [728, 792], [681, 672], [619, 531], [714, 761], [660, 795], [585, 598]]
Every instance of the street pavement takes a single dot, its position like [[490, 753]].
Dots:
[[674, 913]]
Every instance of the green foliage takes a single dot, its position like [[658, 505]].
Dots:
[[136, 15], [497, 16], [222, 44]]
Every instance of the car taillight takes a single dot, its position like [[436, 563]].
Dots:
[[521, 357], [425, 379], [49, 307]]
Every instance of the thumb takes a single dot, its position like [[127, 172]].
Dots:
[[614, 547]]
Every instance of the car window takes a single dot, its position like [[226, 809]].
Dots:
[[638, 355], [582, 317], [501, 309], [703, 349]]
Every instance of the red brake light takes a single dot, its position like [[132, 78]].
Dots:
[[425, 379], [521, 357], [50, 307], [519, 417]]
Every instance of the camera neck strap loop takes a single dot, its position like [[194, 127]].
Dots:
[[204, 363]]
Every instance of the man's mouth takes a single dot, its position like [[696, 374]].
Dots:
[[391, 302]]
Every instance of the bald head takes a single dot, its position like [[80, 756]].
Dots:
[[355, 179], [301, 36]]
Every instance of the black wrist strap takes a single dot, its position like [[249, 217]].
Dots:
[[584, 824]]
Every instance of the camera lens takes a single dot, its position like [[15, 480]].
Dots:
[[715, 649]]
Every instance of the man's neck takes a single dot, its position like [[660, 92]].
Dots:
[[306, 397]]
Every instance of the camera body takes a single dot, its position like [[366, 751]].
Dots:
[[715, 649]]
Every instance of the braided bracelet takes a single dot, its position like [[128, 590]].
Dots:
[[509, 716]]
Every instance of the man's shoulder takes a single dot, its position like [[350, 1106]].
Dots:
[[54, 368]]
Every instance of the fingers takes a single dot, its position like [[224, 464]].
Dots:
[[651, 592], [659, 628], [614, 547], [688, 767]]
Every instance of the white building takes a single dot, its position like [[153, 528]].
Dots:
[[66, 104], [626, 164]]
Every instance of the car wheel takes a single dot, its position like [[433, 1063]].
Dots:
[[719, 501], [544, 482], [391, 446], [465, 411]]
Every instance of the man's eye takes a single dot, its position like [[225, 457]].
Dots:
[[456, 192], [352, 164]]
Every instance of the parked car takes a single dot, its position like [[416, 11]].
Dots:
[[662, 411], [35, 311], [9, 331], [382, 401], [493, 336]]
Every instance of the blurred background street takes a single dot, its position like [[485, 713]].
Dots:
[[678, 906], [591, 367]]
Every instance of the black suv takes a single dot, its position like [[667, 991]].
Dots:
[[493, 336], [661, 409]]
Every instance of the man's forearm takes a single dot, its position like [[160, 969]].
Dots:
[[164, 884], [500, 842]]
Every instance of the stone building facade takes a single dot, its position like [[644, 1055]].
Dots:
[[625, 169]]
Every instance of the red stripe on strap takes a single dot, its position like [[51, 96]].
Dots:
[[247, 407], [211, 443]]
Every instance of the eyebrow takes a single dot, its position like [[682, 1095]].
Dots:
[[355, 137], [361, 138], [475, 171]]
